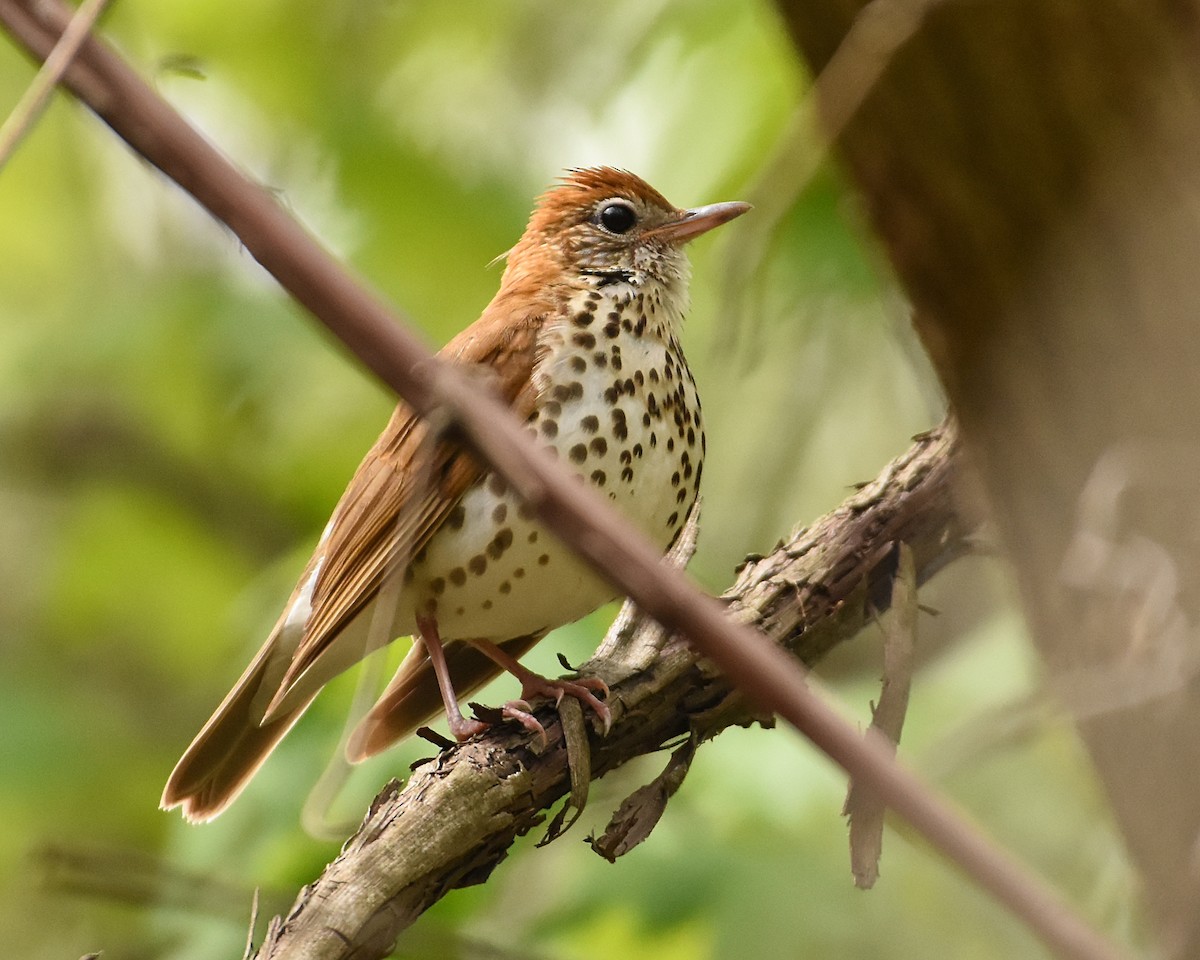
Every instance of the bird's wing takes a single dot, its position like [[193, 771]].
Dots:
[[402, 492], [405, 487]]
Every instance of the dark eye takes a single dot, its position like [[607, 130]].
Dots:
[[617, 217]]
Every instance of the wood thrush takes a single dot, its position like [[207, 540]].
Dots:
[[582, 342]]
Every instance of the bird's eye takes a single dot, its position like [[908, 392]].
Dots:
[[617, 217]]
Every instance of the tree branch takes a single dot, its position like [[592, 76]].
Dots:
[[461, 811]]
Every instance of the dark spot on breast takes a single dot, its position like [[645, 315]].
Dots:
[[585, 340], [611, 329], [499, 513], [577, 364], [543, 559], [487, 604], [670, 444], [575, 391], [627, 474], [639, 378], [614, 316], [589, 424], [583, 318], [518, 573], [637, 450], [578, 453], [653, 439], [616, 360], [477, 564], [653, 375], [672, 519], [420, 557], [640, 327], [620, 431], [496, 485], [505, 587], [438, 585], [691, 436], [552, 408], [599, 477], [454, 520], [499, 543], [550, 429], [533, 535], [626, 457], [458, 576], [599, 446], [600, 358], [687, 471], [681, 495], [675, 479]]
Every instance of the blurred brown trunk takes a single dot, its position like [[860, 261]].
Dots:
[[1033, 169]]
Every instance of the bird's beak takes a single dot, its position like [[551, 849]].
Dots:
[[699, 220]]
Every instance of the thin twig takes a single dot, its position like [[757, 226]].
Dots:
[[33, 101], [864, 809]]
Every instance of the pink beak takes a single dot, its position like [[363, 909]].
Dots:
[[699, 220]]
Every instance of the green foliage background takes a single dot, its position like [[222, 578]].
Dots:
[[173, 433]]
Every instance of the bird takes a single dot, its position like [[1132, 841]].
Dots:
[[582, 343]]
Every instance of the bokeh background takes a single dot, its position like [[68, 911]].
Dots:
[[174, 432]]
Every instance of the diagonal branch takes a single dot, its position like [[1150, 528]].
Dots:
[[759, 668], [459, 813]]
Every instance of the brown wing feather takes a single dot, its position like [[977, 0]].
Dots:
[[390, 507], [407, 485]]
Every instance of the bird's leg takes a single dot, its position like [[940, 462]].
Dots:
[[460, 727], [535, 685]]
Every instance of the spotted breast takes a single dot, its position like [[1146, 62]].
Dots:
[[618, 404]]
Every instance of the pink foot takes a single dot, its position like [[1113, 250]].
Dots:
[[463, 729], [534, 685]]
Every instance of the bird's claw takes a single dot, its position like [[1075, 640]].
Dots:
[[580, 689], [522, 712]]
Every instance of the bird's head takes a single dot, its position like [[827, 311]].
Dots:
[[609, 222]]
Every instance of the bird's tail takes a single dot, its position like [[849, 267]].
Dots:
[[235, 742]]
